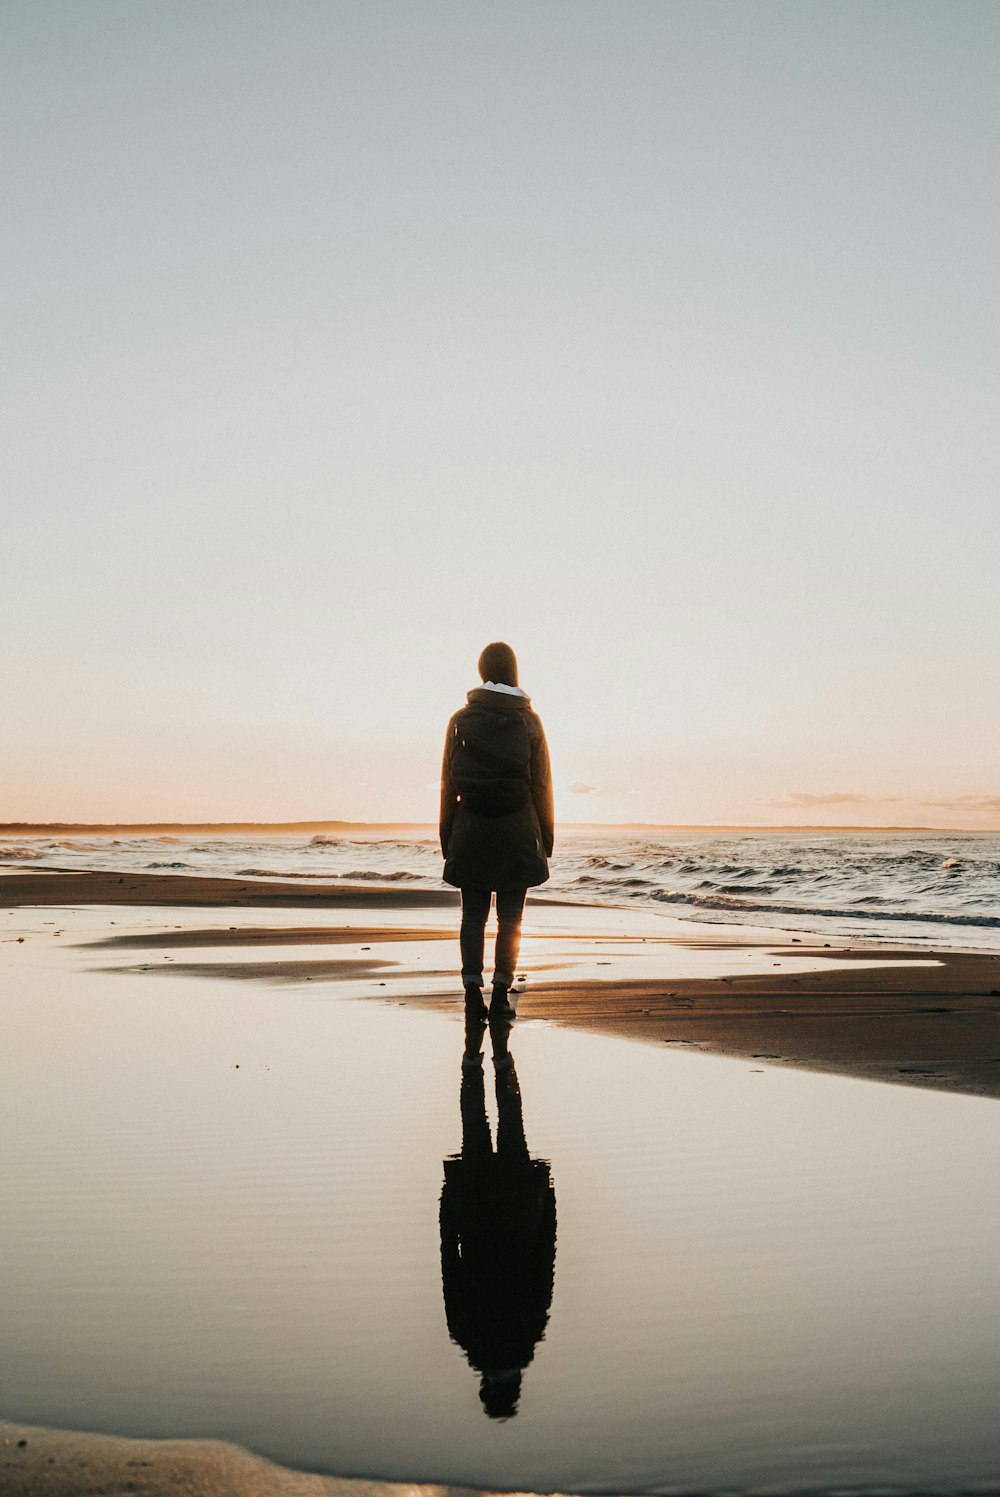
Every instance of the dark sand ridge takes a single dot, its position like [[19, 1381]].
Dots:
[[72, 887], [263, 935], [934, 1025], [312, 970]]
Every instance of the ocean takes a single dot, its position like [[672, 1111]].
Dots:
[[923, 888]]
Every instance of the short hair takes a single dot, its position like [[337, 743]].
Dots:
[[498, 663]]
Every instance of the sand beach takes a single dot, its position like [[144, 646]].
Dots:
[[65, 1463]]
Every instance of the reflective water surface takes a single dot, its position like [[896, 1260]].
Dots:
[[292, 1217]]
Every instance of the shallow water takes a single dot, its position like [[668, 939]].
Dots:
[[219, 1215]]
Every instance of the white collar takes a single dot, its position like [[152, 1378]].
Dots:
[[513, 691]]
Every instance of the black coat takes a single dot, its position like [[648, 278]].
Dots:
[[497, 816], [498, 1248], [498, 1233]]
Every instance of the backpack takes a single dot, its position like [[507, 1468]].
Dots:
[[492, 774]]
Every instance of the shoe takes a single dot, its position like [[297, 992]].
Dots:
[[500, 1004], [475, 1008]]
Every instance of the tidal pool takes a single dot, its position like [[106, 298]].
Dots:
[[221, 1215]]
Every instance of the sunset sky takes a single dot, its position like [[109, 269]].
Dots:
[[657, 337]]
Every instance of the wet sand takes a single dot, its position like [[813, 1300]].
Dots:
[[932, 1026], [86, 888], [62, 1463], [910, 1017]]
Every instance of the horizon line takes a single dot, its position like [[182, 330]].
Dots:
[[24, 828]]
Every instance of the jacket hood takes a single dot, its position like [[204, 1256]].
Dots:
[[500, 701]]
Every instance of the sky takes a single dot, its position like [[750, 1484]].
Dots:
[[656, 337]]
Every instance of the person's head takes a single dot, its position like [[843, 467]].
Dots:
[[498, 663]]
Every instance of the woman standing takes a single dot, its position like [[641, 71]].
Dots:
[[497, 819]]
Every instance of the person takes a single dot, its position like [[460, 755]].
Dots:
[[497, 820], [497, 1214]]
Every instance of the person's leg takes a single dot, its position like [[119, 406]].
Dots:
[[510, 906], [475, 908], [511, 1144], [477, 1140]]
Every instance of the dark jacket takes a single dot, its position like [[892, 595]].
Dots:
[[498, 1233], [497, 816], [498, 1248]]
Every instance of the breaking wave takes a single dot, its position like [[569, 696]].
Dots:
[[877, 885], [755, 908]]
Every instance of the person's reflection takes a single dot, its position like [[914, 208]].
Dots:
[[498, 1230]]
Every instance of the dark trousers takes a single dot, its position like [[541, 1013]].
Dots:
[[477, 1140], [475, 908]]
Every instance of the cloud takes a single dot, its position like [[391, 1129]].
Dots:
[[958, 805], [966, 803], [800, 800], [578, 787]]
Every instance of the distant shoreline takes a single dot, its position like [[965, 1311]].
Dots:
[[98, 828]]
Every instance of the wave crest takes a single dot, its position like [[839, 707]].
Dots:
[[808, 911]]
